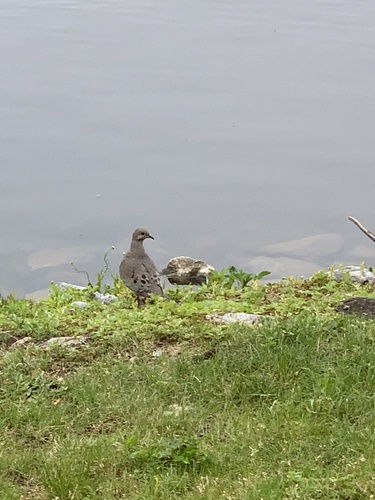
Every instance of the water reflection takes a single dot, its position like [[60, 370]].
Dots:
[[224, 128]]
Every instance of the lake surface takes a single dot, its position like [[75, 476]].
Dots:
[[238, 132]]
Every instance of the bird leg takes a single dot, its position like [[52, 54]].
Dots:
[[141, 301]]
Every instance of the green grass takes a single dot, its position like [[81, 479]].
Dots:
[[284, 409]]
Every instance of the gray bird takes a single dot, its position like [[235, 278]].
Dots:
[[138, 271]]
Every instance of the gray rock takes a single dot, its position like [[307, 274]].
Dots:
[[105, 298], [65, 286], [80, 304], [187, 271], [66, 341], [356, 273]]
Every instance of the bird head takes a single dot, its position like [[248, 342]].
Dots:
[[141, 234]]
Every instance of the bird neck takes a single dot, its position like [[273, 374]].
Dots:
[[137, 246]]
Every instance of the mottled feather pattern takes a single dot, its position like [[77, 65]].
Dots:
[[137, 270]]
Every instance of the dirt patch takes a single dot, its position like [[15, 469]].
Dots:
[[362, 306]]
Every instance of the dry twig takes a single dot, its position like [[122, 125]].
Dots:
[[362, 228]]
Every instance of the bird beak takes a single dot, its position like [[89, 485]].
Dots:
[[151, 237]]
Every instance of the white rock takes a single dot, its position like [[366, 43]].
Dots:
[[240, 317], [176, 410], [65, 341], [65, 286], [80, 304], [106, 298], [157, 353]]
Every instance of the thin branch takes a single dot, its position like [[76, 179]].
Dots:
[[105, 258], [84, 272], [362, 228]]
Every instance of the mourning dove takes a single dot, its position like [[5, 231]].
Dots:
[[138, 271]]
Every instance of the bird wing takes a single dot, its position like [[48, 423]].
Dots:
[[152, 278], [141, 277]]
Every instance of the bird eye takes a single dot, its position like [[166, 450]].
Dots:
[[142, 234]]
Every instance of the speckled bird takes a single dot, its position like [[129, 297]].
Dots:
[[137, 269]]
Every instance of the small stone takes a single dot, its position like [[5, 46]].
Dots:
[[80, 304], [176, 410], [240, 317], [106, 298], [157, 353], [65, 341], [65, 286], [22, 342]]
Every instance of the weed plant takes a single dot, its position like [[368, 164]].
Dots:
[[162, 403]]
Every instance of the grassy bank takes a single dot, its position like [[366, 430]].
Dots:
[[162, 403]]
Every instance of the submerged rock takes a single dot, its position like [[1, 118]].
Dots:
[[57, 257], [187, 271], [36, 295], [281, 267], [319, 244]]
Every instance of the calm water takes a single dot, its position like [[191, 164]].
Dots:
[[237, 132]]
